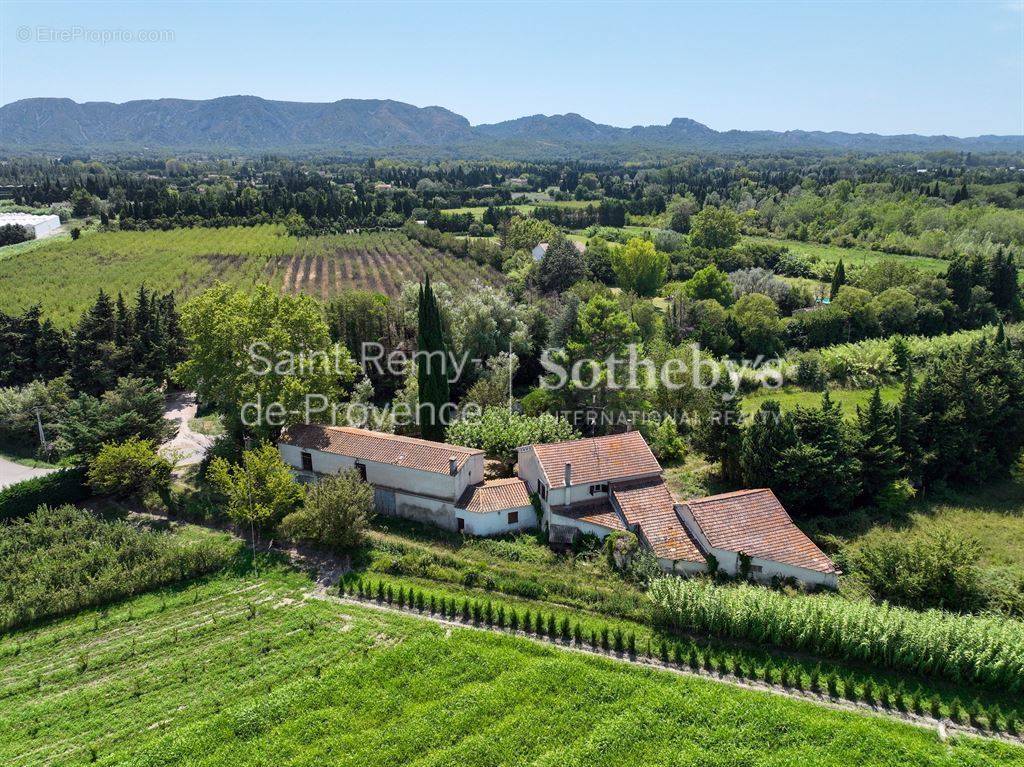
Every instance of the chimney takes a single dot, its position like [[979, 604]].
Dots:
[[568, 484], [453, 466]]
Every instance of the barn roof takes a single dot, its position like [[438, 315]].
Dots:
[[755, 523], [377, 446], [599, 459], [495, 495]]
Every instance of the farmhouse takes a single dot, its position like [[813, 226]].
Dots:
[[598, 486], [614, 483], [542, 247], [412, 478], [37, 226]]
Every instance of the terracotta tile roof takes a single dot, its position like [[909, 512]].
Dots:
[[648, 504], [755, 523], [600, 459], [495, 495], [376, 446], [596, 512]]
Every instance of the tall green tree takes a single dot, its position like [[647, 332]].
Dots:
[[838, 279], [264, 359], [640, 267], [432, 366], [562, 266], [908, 431], [92, 344], [720, 438], [878, 450], [715, 228]]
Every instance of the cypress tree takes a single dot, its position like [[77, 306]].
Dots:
[[1003, 281], [878, 451], [838, 280], [432, 369]]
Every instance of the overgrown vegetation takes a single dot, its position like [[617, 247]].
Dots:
[[57, 561]]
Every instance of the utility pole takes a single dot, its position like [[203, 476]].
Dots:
[[42, 434]]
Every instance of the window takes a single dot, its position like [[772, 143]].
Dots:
[[603, 488], [542, 490], [755, 569], [307, 462], [462, 524], [513, 517], [361, 468]]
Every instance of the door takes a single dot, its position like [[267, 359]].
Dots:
[[384, 501]]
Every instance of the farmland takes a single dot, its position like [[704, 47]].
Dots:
[[246, 669], [65, 275]]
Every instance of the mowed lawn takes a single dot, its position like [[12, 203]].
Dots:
[[240, 670]]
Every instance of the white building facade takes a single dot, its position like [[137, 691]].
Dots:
[[430, 482]]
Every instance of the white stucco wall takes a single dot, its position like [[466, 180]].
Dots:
[[682, 567], [496, 522], [416, 481]]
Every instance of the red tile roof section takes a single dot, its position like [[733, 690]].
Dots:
[[596, 512], [648, 504], [495, 495], [376, 446], [755, 523], [600, 459]]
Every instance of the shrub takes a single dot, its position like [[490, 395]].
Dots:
[[937, 569], [132, 467], [58, 488], [334, 515], [955, 710], [832, 685]]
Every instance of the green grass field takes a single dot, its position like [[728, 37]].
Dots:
[[993, 515], [246, 670], [64, 276], [830, 254], [524, 208], [789, 398]]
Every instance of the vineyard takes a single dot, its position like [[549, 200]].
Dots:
[[247, 670], [64, 276], [322, 266]]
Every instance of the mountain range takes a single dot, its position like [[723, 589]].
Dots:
[[366, 126]]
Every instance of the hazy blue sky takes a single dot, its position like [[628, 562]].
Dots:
[[893, 67]]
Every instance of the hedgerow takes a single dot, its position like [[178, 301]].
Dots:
[[60, 487]]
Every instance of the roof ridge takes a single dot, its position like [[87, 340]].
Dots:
[[393, 437], [730, 494]]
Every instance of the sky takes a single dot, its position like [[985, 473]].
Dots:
[[952, 68]]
